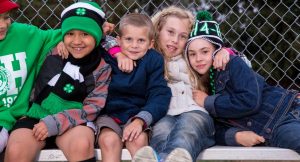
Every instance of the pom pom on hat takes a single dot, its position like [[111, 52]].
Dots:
[[204, 15], [86, 16], [207, 29]]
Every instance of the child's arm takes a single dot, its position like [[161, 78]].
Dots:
[[40, 131], [222, 58], [125, 64], [248, 138], [92, 105], [158, 94], [133, 130], [244, 96], [232, 136]]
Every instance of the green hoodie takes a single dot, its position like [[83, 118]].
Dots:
[[22, 53]]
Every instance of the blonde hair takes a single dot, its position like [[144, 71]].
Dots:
[[137, 20], [159, 20]]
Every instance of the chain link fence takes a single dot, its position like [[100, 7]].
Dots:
[[266, 31]]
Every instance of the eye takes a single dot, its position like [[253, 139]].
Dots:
[[85, 34], [141, 40], [6, 17], [184, 37], [191, 54], [171, 32], [128, 39], [69, 33]]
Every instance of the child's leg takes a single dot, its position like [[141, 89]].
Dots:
[[287, 133], [77, 143], [161, 132], [193, 131], [22, 146], [111, 145], [137, 143]]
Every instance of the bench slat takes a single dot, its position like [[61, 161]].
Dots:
[[213, 153]]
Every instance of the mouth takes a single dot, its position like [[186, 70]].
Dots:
[[77, 48], [2, 32], [134, 52], [171, 48], [201, 66]]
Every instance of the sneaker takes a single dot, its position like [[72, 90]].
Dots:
[[145, 154], [179, 155]]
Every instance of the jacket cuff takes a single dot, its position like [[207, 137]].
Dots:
[[146, 117], [230, 51], [51, 125], [230, 137], [114, 50], [209, 104]]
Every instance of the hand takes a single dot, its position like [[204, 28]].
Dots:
[[133, 130], [221, 59], [62, 50], [199, 97], [40, 131], [108, 28], [248, 138], [125, 64]]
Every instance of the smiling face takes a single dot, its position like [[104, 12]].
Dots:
[[5, 22], [135, 41], [79, 43], [200, 55], [173, 36]]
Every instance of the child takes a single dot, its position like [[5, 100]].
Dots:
[[187, 129], [69, 94], [22, 50], [240, 99], [136, 100]]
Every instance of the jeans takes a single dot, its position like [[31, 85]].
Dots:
[[287, 133], [193, 131]]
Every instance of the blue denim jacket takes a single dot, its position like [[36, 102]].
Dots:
[[244, 101]]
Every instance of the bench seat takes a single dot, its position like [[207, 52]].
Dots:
[[213, 153]]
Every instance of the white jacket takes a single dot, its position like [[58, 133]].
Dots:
[[180, 84]]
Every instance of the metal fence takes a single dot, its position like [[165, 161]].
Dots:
[[266, 31]]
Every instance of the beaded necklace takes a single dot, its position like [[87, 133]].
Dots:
[[212, 81]]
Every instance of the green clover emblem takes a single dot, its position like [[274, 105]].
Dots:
[[81, 11], [69, 88]]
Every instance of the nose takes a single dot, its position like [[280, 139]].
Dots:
[[198, 57], [77, 39], [134, 44], [175, 38]]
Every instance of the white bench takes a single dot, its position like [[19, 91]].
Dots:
[[213, 153]]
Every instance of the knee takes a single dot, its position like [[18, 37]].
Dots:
[[82, 145], [13, 149], [109, 141], [141, 141]]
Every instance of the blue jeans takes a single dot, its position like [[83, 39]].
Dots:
[[287, 133], [193, 131]]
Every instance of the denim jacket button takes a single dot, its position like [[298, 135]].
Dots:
[[249, 123], [268, 130]]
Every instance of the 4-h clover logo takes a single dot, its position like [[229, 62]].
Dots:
[[68, 88], [80, 11]]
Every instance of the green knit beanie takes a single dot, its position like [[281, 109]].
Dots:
[[85, 16], [206, 28]]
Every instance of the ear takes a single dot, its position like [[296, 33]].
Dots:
[[151, 43], [118, 40]]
